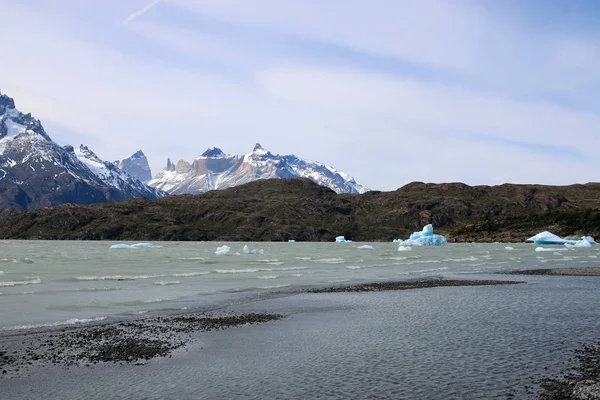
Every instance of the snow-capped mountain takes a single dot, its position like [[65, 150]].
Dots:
[[36, 172], [137, 166], [216, 170]]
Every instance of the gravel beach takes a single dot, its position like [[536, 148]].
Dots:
[[581, 271]]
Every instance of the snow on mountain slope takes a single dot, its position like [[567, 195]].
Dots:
[[36, 172], [216, 170]]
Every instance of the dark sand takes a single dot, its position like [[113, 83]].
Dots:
[[580, 271]]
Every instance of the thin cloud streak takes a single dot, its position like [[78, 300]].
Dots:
[[140, 12]]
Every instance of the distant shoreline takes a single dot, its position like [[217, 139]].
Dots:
[[575, 271]]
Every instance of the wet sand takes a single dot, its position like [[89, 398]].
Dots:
[[581, 271]]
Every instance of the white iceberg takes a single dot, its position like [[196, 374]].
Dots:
[[138, 245], [120, 246], [291, 241], [509, 248], [222, 250], [248, 250], [342, 239], [426, 237], [547, 238], [397, 241], [365, 246], [404, 248], [540, 249]]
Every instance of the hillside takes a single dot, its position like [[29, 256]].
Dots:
[[283, 209]]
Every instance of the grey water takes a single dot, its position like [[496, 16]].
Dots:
[[441, 343], [69, 282]]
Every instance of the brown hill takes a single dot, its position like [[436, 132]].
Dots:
[[299, 209]]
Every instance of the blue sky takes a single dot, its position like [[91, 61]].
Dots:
[[389, 91]]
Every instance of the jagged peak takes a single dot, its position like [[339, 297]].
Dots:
[[170, 165], [137, 155], [87, 152], [215, 152], [6, 102], [258, 147]]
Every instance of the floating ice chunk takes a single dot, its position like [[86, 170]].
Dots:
[[340, 239], [586, 241], [547, 238], [426, 237], [120, 246], [365, 246], [291, 241], [404, 248], [509, 248], [397, 241], [137, 245], [248, 250], [540, 249], [222, 250]]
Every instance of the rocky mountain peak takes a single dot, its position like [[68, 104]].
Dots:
[[215, 152]]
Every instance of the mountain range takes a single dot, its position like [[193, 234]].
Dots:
[[216, 170], [36, 172]]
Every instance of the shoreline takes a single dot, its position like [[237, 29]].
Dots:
[[570, 271], [137, 341]]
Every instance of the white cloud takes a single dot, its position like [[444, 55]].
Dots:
[[140, 12]]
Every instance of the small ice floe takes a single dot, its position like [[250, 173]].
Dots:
[[120, 246], [23, 260], [222, 250], [397, 241], [508, 248], [404, 248], [342, 239], [138, 245], [540, 249], [365, 246], [291, 241], [426, 237], [248, 250]]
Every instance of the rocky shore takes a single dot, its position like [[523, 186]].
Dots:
[[407, 285], [131, 342], [581, 383], [582, 271]]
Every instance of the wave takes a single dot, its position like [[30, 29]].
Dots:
[[166, 283], [268, 277], [330, 261], [72, 321], [117, 277], [283, 269], [353, 267], [192, 258], [274, 286], [297, 275], [303, 258], [24, 260], [33, 281], [158, 300], [236, 271], [187, 274]]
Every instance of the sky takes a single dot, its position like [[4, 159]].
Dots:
[[388, 91]]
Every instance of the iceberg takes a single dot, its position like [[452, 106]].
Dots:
[[138, 245], [342, 239], [291, 241], [509, 248], [547, 238], [366, 246], [586, 241], [222, 250], [404, 248], [248, 250], [426, 237]]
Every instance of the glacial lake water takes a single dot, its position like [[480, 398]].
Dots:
[[67, 282], [441, 343]]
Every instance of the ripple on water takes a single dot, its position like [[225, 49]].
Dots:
[[32, 281]]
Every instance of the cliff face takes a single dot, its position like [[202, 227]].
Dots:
[[283, 209]]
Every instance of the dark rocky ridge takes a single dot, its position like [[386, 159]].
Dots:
[[283, 209]]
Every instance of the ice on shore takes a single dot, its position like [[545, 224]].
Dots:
[[222, 250], [426, 237], [342, 239], [248, 250], [404, 248], [365, 246]]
